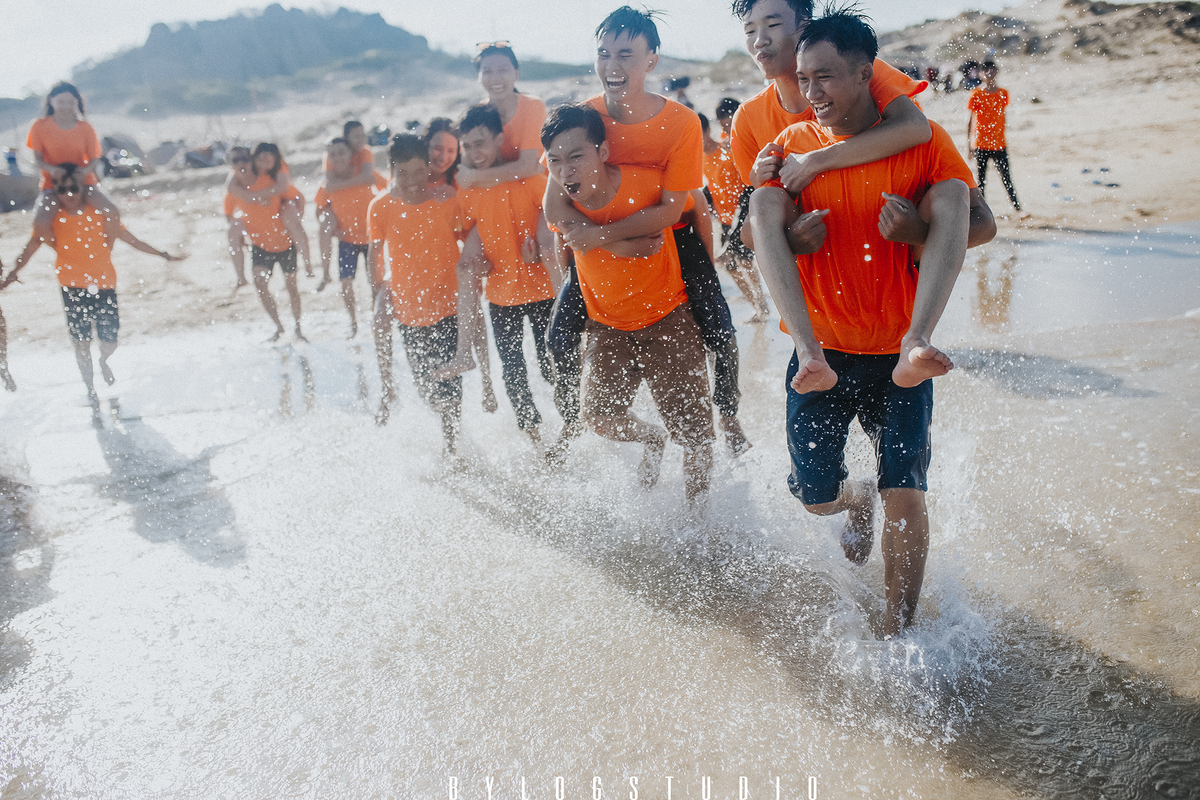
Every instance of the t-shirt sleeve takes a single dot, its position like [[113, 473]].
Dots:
[[530, 135], [742, 145], [889, 83], [93, 144], [685, 166], [34, 140], [377, 219]]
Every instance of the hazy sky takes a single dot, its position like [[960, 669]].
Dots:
[[44, 39]]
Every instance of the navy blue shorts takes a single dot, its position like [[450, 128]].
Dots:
[[896, 420], [85, 307], [348, 254], [266, 259]]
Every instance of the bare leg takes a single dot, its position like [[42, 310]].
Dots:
[[348, 299], [773, 216], [43, 216], [290, 212], [697, 471], [293, 290], [5, 375], [106, 350], [629, 428], [261, 276], [381, 327], [472, 332], [905, 545], [238, 241], [857, 498], [83, 357], [328, 229]]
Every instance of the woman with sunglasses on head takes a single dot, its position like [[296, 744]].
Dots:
[[85, 237], [63, 136]]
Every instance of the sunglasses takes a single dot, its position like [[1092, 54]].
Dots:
[[66, 189], [489, 45]]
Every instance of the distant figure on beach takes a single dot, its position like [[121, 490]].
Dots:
[[985, 130], [285, 199], [241, 173], [63, 137], [861, 325], [640, 324], [270, 240], [506, 223], [85, 237], [358, 171], [413, 253]]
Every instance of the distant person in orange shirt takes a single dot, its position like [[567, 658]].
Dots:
[[858, 311], [985, 130], [359, 170], [241, 173], [85, 237], [413, 253], [62, 137], [509, 228], [270, 240], [727, 190], [640, 324], [442, 140], [290, 205], [342, 212]]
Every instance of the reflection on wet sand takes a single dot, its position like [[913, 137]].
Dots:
[[285, 390], [995, 291], [26, 562], [1042, 376]]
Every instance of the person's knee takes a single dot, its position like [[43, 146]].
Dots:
[[769, 204], [823, 509]]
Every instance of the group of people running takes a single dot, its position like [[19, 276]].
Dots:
[[591, 221]]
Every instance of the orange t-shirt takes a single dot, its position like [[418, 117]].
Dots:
[[724, 183], [266, 229], [988, 108], [631, 293], [505, 214], [84, 250], [357, 159], [78, 146], [860, 287], [350, 208], [761, 118], [422, 250], [669, 142], [524, 130]]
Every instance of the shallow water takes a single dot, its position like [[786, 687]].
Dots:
[[242, 587]]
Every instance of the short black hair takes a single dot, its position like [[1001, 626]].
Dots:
[[481, 115], [727, 108], [336, 140], [495, 50], [273, 149], [406, 147], [704, 123], [68, 176], [570, 116], [803, 9], [349, 126], [60, 88], [846, 29], [634, 23]]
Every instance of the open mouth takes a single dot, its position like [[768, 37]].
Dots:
[[614, 84], [820, 109], [572, 189]]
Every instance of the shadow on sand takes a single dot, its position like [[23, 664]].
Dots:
[[1042, 377], [26, 561]]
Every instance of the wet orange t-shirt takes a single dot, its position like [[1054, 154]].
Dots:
[[504, 215], [78, 146], [84, 250], [760, 119], [524, 130], [860, 287], [631, 293], [724, 183], [266, 229], [988, 109], [350, 207], [669, 142], [422, 251]]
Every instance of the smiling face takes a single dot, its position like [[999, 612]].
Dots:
[[443, 149], [264, 162], [339, 159], [411, 179], [837, 89], [65, 103], [497, 76], [481, 147], [622, 64], [577, 165], [70, 195], [772, 31]]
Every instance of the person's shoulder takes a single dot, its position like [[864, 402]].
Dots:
[[597, 102], [529, 101], [678, 113], [806, 131]]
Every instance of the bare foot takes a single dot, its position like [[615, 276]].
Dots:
[[814, 375], [918, 362], [859, 534], [7, 377], [241, 281], [651, 463], [278, 333], [353, 330], [107, 373], [299, 335], [556, 454], [760, 317], [489, 399], [462, 362], [94, 402], [324, 282], [735, 437], [385, 411]]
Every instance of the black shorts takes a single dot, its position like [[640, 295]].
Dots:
[[265, 259], [348, 254], [85, 307]]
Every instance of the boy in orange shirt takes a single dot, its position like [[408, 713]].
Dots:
[[421, 234], [640, 323], [857, 309], [341, 205], [985, 130], [508, 225], [84, 238]]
